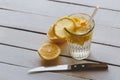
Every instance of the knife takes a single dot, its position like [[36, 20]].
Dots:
[[74, 67]]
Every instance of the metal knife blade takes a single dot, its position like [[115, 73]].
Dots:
[[51, 68], [74, 67]]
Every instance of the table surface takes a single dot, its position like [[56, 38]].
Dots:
[[23, 28]]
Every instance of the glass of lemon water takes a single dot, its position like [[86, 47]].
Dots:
[[79, 39]]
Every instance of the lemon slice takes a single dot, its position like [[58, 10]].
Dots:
[[51, 35], [64, 22], [49, 51]]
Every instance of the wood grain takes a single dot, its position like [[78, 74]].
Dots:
[[33, 41], [22, 38], [15, 62], [101, 35], [55, 10], [29, 59], [24, 23], [104, 4], [35, 23]]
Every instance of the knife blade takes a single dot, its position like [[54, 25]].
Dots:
[[74, 67]]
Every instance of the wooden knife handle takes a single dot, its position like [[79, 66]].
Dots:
[[89, 66]]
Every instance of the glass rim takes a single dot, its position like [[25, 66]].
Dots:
[[79, 13]]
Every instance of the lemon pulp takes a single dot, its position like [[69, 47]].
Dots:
[[49, 51]]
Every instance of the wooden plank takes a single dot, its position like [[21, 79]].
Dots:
[[37, 22], [54, 8], [29, 6], [25, 21], [33, 41], [10, 36], [15, 62], [8, 72], [105, 4], [19, 57], [106, 35], [22, 38], [100, 35], [104, 53]]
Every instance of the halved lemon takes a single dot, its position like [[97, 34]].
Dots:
[[51, 35], [64, 22], [49, 51]]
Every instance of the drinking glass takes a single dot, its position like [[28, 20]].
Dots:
[[79, 42]]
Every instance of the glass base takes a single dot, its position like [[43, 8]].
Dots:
[[79, 55], [79, 52]]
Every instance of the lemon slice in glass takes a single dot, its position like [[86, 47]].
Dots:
[[82, 30], [64, 22], [49, 51], [81, 34]]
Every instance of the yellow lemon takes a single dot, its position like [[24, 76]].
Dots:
[[83, 23], [80, 34], [76, 19], [51, 35], [49, 51], [77, 22], [64, 22]]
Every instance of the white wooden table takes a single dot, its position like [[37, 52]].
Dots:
[[23, 28]]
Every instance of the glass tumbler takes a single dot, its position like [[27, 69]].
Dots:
[[79, 41]]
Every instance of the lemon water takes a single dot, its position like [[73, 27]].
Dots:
[[79, 42]]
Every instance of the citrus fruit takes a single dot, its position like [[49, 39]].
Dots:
[[80, 34], [77, 22], [49, 51], [76, 19], [51, 35], [64, 22], [83, 23]]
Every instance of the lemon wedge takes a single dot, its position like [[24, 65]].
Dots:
[[52, 37], [64, 22], [49, 51]]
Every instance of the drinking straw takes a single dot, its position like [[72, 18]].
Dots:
[[93, 14]]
